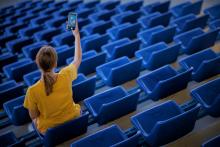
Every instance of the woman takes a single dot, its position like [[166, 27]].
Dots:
[[49, 100]]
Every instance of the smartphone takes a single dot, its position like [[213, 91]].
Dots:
[[71, 21]]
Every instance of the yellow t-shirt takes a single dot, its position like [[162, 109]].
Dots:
[[58, 107]]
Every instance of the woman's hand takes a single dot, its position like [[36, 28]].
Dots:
[[76, 30]]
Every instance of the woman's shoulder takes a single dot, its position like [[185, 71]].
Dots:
[[36, 86]]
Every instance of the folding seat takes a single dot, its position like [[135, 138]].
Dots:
[[64, 132], [5, 24], [48, 11], [155, 19], [157, 34], [214, 25], [32, 77], [90, 60], [63, 12], [40, 20], [187, 8], [127, 16], [63, 53], [84, 13], [116, 72], [89, 4], [110, 136], [47, 34], [37, 10], [208, 95], [196, 40], [24, 9], [204, 64], [189, 22], [213, 12], [16, 112], [104, 106], [9, 139], [27, 19], [163, 82], [99, 27], [29, 31], [122, 47], [45, 3], [156, 7], [65, 38], [14, 17], [7, 58], [212, 142], [56, 22], [158, 55], [94, 42], [6, 38], [17, 69], [102, 15], [125, 30], [57, 4], [108, 5], [16, 45], [10, 90], [31, 50], [132, 6], [165, 123], [72, 4], [15, 28]]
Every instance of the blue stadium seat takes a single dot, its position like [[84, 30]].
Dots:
[[64, 132], [196, 40], [214, 25], [110, 136], [213, 12], [17, 44], [7, 58], [163, 82], [155, 19], [189, 22], [165, 123], [84, 13], [157, 34], [90, 60], [15, 17], [56, 22], [122, 47], [65, 38], [15, 28], [17, 69], [83, 87], [29, 31], [36, 10], [156, 7], [212, 142], [88, 4], [158, 55], [16, 112], [125, 30], [10, 90], [99, 27], [24, 9], [63, 12], [57, 4], [72, 4], [6, 38], [204, 64], [40, 20], [31, 50], [115, 72], [47, 34], [127, 16], [27, 19], [187, 8], [104, 106], [5, 24], [108, 5], [32, 77], [9, 139], [132, 6], [102, 15], [48, 11], [208, 95]]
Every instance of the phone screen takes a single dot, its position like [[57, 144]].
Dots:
[[72, 20]]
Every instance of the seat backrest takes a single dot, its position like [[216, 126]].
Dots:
[[193, 8]]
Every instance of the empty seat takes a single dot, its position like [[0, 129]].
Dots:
[[7, 58], [116, 72], [165, 123], [208, 95], [56, 22], [10, 90], [63, 12], [84, 13], [48, 11], [31, 50], [40, 20], [88, 4], [90, 60], [213, 12], [27, 19], [65, 38], [108, 5], [47, 34], [212, 142], [204, 64], [214, 25], [102, 15], [124, 17], [110, 136], [122, 47], [104, 106], [15, 28], [29, 31], [17, 69], [17, 44], [72, 3], [187, 8], [155, 19], [132, 6], [158, 55], [9, 139], [65, 131], [125, 30], [163, 82], [189, 22], [16, 112], [36, 10], [196, 40], [156, 7], [32, 77], [6, 38], [64, 52], [99, 27], [157, 34], [15, 17], [57, 4]]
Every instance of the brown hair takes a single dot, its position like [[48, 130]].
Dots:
[[47, 59]]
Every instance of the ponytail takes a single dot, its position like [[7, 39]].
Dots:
[[48, 83]]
